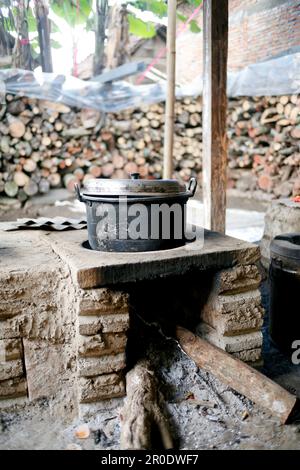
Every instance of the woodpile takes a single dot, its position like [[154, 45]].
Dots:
[[45, 145], [264, 144]]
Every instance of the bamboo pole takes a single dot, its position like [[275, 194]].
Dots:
[[169, 118]]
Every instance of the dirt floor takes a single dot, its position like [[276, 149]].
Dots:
[[204, 414]]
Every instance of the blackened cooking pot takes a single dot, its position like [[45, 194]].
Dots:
[[134, 214]]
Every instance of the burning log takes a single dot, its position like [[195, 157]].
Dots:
[[142, 418], [238, 375]]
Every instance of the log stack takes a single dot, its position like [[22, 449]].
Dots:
[[45, 145], [264, 144]]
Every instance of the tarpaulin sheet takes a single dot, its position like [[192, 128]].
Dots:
[[279, 76], [107, 97]]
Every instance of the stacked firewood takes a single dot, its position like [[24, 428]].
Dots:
[[264, 150], [46, 145]]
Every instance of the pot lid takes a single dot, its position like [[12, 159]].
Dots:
[[132, 187], [286, 245]]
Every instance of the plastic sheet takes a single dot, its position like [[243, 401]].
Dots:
[[280, 76], [107, 97]]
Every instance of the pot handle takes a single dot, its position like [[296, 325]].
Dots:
[[192, 186], [78, 194]]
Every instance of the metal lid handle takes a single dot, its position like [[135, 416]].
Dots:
[[78, 194], [192, 186]]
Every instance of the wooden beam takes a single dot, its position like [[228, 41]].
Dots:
[[171, 61], [215, 50], [238, 375], [121, 72]]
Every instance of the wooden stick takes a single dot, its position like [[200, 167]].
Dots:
[[142, 413], [238, 375], [171, 60]]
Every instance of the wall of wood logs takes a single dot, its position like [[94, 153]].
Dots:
[[46, 145]]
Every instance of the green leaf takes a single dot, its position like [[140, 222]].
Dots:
[[54, 27], [31, 21], [194, 3], [141, 29], [7, 19], [85, 7], [90, 24], [70, 12], [55, 44], [35, 47], [194, 27], [34, 43], [181, 17], [158, 7]]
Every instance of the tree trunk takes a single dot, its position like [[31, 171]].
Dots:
[[22, 53], [7, 41], [43, 26], [116, 50], [101, 16]]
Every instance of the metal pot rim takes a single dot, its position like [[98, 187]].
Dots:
[[132, 187], [138, 196]]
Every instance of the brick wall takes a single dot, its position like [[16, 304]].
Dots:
[[63, 336], [257, 34], [258, 31]]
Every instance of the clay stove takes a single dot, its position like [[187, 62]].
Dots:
[[65, 310]]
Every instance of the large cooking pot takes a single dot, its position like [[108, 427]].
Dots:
[[135, 214], [284, 277]]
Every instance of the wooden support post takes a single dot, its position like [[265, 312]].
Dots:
[[171, 60], [215, 47]]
